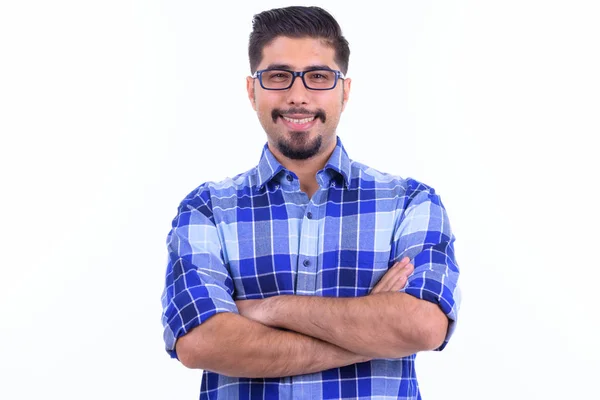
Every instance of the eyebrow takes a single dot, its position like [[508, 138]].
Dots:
[[287, 66]]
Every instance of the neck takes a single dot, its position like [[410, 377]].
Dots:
[[306, 170]]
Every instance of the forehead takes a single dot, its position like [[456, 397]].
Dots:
[[298, 53]]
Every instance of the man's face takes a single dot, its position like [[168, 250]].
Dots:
[[300, 123]]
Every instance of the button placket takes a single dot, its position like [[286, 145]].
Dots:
[[309, 246]]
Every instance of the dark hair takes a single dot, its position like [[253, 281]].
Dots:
[[296, 22]]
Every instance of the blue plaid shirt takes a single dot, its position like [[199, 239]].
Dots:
[[258, 235]]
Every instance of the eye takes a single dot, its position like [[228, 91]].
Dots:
[[278, 76], [317, 76]]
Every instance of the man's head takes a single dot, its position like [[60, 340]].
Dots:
[[300, 122]]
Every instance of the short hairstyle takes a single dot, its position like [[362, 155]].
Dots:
[[297, 22]]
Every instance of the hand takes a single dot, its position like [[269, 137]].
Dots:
[[256, 310], [395, 278]]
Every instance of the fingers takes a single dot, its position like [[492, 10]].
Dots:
[[390, 276], [400, 282], [395, 278]]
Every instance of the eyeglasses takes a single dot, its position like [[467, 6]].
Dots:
[[313, 79]]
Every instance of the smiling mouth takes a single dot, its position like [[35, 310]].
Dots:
[[299, 121]]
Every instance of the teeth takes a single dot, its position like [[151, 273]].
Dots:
[[299, 121]]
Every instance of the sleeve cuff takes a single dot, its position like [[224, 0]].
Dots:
[[440, 295], [183, 314]]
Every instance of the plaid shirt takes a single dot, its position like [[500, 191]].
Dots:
[[257, 235]]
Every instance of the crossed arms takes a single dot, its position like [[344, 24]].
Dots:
[[324, 332], [292, 335]]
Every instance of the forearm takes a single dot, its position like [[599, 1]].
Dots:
[[384, 325], [233, 345]]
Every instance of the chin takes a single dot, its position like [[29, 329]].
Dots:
[[297, 151]]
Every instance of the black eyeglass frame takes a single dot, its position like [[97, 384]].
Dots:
[[296, 74]]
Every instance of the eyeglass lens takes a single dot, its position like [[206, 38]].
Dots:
[[280, 79]]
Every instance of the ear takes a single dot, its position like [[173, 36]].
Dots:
[[347, 85], [250, 89]]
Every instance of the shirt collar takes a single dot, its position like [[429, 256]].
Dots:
[[268, 166]]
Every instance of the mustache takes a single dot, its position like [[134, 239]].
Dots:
[[318, 113]]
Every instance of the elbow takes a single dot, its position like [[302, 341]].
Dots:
[[199, 348], [429, 332], [433, 341], [188, 360], [185, 355], [189, 352], [434, 332]]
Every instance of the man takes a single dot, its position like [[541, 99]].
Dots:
[[310, 276]]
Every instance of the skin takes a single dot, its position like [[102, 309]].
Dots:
[[396, 324]]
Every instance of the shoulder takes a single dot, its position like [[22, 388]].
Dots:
[[204, 197], [365, 177]]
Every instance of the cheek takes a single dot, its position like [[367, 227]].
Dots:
[[335, 107], [334, 103], [263, 112], [264, 103]]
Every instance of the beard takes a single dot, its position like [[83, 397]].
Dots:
[[298, 147]]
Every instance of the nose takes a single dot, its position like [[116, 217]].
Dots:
[[298, 93]]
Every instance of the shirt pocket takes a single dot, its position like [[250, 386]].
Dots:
[[355, 274], [262, 277]]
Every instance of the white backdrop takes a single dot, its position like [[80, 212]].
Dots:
[[112, 111]]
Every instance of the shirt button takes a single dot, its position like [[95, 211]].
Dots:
[[306, 263], [309, 215], [289, 178]]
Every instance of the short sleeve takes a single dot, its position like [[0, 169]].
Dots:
[[198, 284], [424, 235]]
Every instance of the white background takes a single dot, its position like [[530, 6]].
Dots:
[[112, 111]]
